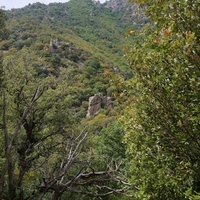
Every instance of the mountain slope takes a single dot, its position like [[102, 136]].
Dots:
[[96, 25], [85, 38]]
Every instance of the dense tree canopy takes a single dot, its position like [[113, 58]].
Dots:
[[3, 30], [59, 55], [162, 119], [3, 33], [44, 153]]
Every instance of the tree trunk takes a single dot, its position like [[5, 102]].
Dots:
[[11, 192], [56, 195], [11, 186]]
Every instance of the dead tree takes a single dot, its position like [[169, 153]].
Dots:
[[75, 174]]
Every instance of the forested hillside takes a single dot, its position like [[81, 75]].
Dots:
[[55, 57], [79, 36], [100, 101]]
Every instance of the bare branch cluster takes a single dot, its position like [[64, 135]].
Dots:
[[85, 180]]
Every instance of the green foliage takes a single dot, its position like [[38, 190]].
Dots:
[[3, 31], [52, 33], [162, 119], [38, 119], [40, 125], [94, 63], [110, 142], [96, 30], [62, 54]]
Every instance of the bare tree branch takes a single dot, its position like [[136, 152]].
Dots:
[[101, 181]]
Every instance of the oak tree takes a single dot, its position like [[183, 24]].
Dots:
[[162, 117]]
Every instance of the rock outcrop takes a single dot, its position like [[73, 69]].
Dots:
[[97, 102], [129, 11], [116, 4], [97, 3]]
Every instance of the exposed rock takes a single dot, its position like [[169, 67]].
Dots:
[[107, 102], [129, 10], [91, 14], [97, 3], [97, 102], [116, 4], [54, 44]]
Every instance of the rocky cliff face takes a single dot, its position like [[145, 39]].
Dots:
[[127, 10], [97, 102], [116, 4], [97, 3]]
